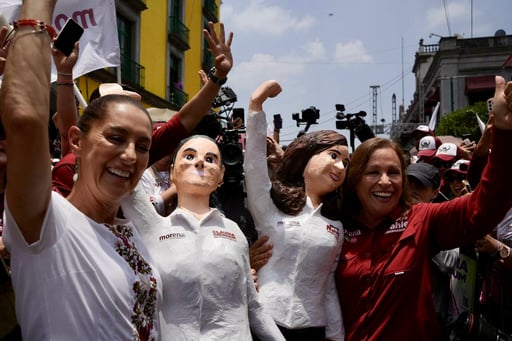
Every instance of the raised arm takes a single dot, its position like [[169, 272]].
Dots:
[[67, 113], [502, 110], [24, 109], [199, 105], [257, 179]]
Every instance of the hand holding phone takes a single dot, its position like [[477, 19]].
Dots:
[[68, 36], [278, 122]]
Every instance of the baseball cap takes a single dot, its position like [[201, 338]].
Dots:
[[427, 146], [460, 166], [447, 152], [422, 130], [425, 173]]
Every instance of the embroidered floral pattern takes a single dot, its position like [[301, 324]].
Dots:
[[144, 288]]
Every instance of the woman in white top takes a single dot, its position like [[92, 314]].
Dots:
[[297, 211], [78, 272], [202, 256]]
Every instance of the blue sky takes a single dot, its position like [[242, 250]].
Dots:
[[331, 51]]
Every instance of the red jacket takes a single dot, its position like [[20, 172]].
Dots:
[[383, 275]]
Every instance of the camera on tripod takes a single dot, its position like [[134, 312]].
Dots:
[[229, 134]]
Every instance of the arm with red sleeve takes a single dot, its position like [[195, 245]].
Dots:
[[464, 220]]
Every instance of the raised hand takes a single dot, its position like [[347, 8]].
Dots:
[[270, 88], [502, 106], [221, 49], [64, 64]]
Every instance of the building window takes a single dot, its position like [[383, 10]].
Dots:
[[131, 71], [177, 96]]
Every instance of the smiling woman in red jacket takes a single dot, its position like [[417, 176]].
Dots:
[[383, 276]]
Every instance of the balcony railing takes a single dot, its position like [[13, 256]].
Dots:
[[179, 33], [178, 97], [132, 71], [210, 10]]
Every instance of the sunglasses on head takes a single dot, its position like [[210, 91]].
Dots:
[[453, 177]]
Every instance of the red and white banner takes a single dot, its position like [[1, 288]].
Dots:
[[99, 45]]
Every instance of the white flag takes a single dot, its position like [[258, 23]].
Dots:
[[481, 124], [99, 45], [433, 119]]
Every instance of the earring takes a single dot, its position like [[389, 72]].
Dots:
[[75, 175]]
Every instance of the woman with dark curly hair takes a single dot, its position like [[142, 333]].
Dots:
[[297, 211]]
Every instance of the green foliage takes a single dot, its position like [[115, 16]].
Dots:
[[463, 123]]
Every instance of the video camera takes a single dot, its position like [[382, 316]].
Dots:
[[469, 327]]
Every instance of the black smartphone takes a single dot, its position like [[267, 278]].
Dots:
[[278, 122], [68, 36]]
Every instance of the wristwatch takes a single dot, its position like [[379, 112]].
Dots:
[[216, 80], [503, 250]]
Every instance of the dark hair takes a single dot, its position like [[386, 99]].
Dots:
[[97, 109], [191, 137], [288, 188], [358, 163]]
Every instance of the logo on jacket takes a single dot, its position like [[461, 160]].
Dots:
[[333, 230], [178, 235], [223, 234], [351, 236], [398, 226]]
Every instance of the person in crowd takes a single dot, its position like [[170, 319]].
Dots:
[[156, 183], [496, 297], [67, 113], [274, 155], [427, 147], [446, 155], [456, 178], [297, 212], [203, 257], [419, 132], [383, 276], [424, 181], [77, 271], [65, 104], [165, 139]]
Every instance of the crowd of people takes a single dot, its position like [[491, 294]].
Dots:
[[121, 239]]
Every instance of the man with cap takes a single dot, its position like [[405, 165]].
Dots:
[[419, 132], [427, 148], [445, 156], [424, 181]]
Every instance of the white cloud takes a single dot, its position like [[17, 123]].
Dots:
[[259, 18], [353, 52], [315, 50], [456, 12]]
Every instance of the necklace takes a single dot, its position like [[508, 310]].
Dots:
[[144, 287]]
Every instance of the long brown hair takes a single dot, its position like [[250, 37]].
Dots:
[[288, 188], [358, 162]]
